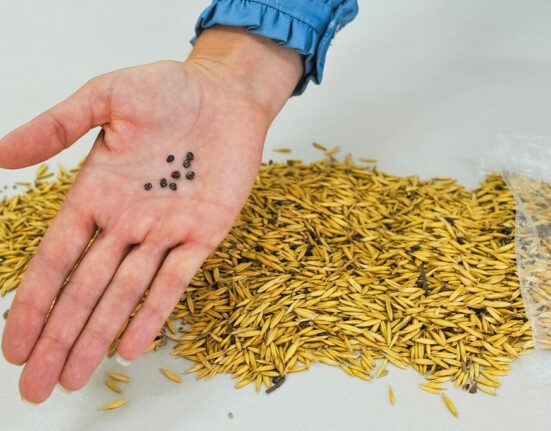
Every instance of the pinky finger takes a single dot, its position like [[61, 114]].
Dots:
[[177, 270]]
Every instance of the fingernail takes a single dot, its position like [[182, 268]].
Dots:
[[28, 402], [67, 391], [122, 361]]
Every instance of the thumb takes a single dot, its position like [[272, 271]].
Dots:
[[59, 127]]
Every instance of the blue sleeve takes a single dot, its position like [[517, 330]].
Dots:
[[306, 25]]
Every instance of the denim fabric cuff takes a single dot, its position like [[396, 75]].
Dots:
[[305, 25]]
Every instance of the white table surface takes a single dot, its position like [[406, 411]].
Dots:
[[424, 86]]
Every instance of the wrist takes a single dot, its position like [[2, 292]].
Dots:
[[254, 66]]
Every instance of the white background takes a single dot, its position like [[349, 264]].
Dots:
[[423, 86]]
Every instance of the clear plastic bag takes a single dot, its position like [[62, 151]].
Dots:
[[525, 164]]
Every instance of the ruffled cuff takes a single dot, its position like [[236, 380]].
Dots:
[[305, 25]]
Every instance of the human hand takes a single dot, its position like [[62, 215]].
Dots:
[[218, 105]]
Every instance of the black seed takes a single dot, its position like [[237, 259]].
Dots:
[[346, 318], [357, 237], [164, 183], [170, 158], [270, 162], [414, 248], [460, 241], [498, 187], [172, 186], [259, 248], [190, 175], [467, 386], [175, 175], [479, 312], [187, 163], [349, 267], [148, 186], [449, 220], [189, 156], [304, 324], [276, 382], [423, 279], [243, 260]]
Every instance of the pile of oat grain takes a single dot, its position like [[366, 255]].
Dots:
[[341, 264]]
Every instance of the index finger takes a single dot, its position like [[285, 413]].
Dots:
[[62, 245]]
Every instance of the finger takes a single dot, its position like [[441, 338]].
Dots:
[[119, 300], [69, 315], [170, 282], [59, 127], [59, 250]]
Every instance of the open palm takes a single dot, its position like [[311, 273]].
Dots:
[[154, 238]]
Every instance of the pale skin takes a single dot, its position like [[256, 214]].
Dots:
[[218, 104]]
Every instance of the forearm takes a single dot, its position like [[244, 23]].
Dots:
[[254, 65]]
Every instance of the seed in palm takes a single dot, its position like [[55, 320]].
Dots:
[[187, 163], [164, 182], [175, 175], [170, 158], [190, 175], [189, 156], [172, 186], [148, 186]]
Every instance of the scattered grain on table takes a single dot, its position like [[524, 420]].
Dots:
[[119, 377], [114, 404], [171, 375], [113, 385], [450, 405]]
